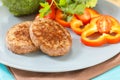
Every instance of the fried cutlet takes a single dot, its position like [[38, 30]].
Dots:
[[18, 39], [50, 37]]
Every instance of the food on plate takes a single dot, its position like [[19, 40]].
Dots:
[[22, 7], [101, 30], [78, 22], [18, 39], [85, 17], [41, 34], [60, 18], [50, 14], [76, 25], [93, 13], [79, 16], [50, 37], [67, 6], [64, 9]]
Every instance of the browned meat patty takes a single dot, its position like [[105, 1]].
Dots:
[[52, 38], [18, 39]]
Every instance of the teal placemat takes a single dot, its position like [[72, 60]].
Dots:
[[5, 74], [113, 74]]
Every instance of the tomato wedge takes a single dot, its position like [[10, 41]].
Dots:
[[104, 24], [85, 17]]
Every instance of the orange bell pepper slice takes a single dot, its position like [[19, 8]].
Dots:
[[78, 22], [101, 30], [61, 18], [76, 25]]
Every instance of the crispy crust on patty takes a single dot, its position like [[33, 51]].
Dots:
[[18, 39], [52, 38]]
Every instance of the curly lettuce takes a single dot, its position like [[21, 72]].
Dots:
[[68, 6], [75, 6]]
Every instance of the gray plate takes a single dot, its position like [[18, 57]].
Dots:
[[80, 56]]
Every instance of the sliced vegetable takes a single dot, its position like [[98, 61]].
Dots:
[[102, 29], [76, 25], [78, 22], [104, 24], [67, 6], [85, 17], [62, 18]]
